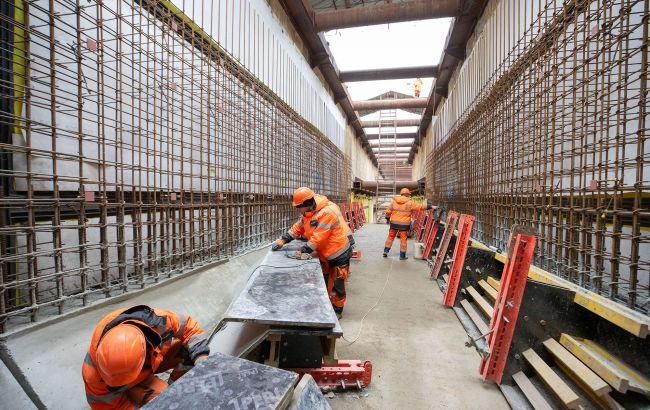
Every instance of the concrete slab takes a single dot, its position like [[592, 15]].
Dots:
[[284, 292], [416, 344], [227, 382], [51, 356]]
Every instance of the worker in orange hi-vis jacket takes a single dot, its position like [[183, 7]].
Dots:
[[327, 235], [129, 346], [417, 85], [398, 216]]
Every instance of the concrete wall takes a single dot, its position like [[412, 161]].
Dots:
[[51, 354], [420, 159], [362, 167]]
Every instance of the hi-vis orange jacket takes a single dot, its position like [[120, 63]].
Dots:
[[324, 230], [400, 211], [161, 328]]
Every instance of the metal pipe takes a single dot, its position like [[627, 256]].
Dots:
[[385, 13], [400, 136], [390, 104], [389, 73]]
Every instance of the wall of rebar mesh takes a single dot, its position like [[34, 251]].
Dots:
[[134, 149], [559, 141]]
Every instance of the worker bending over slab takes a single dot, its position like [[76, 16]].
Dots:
[[322, 225]]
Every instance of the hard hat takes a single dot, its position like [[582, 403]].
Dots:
[[301, 195], [121, 354], [405, 191]]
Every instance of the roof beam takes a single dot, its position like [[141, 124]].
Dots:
[[390, 104], [399, 135], [386, 13], [389, 73], [399, 144], [390, 123]]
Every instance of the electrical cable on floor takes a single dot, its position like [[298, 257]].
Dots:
[[350, 343]]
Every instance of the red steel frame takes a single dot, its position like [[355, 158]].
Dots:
[[417, 225], [506, 307], [431, 237], [460, 250], [450, 225], [352, 372], [427, 226]]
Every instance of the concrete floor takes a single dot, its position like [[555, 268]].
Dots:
[[415, 344]]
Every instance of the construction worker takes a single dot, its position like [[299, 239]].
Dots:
[[398, 216], [322, 225], [132, 344], [417, 84]]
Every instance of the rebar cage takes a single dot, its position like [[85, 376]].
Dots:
[[556, 137], [134, 148]]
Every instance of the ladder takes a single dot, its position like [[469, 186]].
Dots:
[[387, 138]]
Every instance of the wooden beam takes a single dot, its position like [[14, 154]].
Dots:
[[495, 283], [475, 316], [618, 374], [577, 370], [489, 291], [562, 391], [482, 304], [530, 391]]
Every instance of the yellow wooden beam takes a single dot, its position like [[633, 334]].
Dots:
[[474, 315], [530, 391], [618, 374], [480, 301], [562, 391], [576, 368], [496, 284], [489, 291]]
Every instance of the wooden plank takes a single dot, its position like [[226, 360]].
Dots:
[[530, 391], [564, 393], [482, 304], [489, 290], [495, 283], [446, 278], [475, 316], [621, 316], [577, 370], [615, 372]]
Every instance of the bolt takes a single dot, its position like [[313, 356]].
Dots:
[[526, 318], [517, 356], [542, 322]]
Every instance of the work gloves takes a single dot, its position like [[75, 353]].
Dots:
[[387, 219], [429, 206], [277, 245]]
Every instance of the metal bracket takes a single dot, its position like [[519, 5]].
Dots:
[[483, 351]]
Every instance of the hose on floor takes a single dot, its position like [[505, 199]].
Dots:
[[381, 295]]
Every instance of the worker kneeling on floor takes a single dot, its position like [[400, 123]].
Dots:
[[398, 216], [132, 344], [327, 235]]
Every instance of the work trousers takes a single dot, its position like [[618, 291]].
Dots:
[[177, 358], [403, 235], [336, 277]]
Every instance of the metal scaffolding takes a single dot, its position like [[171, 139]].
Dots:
[[556, 138], [134, 148]]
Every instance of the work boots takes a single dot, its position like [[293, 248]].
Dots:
[[386, 250], [402, 256]]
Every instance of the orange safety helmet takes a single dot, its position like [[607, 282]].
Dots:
[[405, 191], [301, 195], [121, 354]]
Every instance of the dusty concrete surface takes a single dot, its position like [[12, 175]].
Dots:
[[415, 344], [51, 356]]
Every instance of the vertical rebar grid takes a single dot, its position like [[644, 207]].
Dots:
[[556, 137], [134, 148]]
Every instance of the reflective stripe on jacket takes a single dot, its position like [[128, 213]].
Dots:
[[324, 230], [161, 328], [400, 211]]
